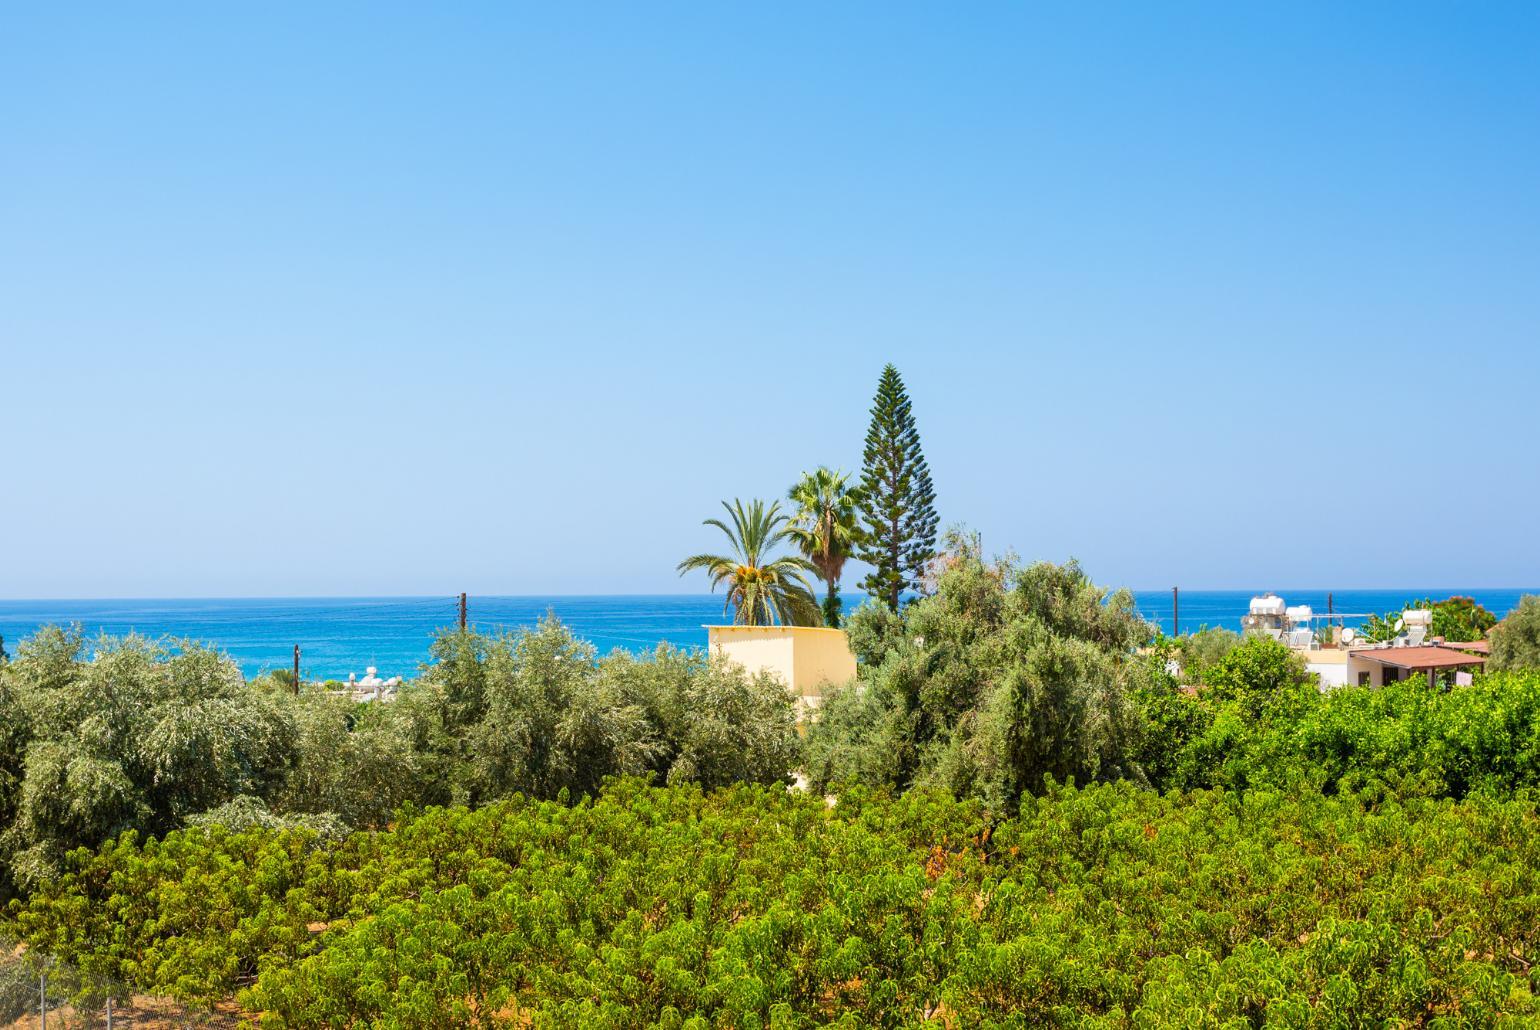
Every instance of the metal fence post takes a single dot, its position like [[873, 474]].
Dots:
[[42, 999]]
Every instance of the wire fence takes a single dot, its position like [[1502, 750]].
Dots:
[[40, 991]]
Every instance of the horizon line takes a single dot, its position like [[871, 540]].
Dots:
[[681, 594]]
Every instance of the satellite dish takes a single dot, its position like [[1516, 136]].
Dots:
[[1348, 636], [1400, 625]]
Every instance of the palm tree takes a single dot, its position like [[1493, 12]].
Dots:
[[826, 527], [761, 590]]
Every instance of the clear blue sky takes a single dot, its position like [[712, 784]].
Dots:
[[347, 299]]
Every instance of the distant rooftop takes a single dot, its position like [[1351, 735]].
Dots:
[[1423, 657], [1483, 646]]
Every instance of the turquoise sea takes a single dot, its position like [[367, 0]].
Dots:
[[346, 634]]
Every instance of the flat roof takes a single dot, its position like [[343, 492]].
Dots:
[[1422, 657], [1483, 646], [779, 628]]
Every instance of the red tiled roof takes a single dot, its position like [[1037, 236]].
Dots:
[[1425, 657]]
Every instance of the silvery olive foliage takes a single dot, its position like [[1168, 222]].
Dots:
[[103, 736], [118, 734], [550, 716], [1007, 674], [1516, 640]]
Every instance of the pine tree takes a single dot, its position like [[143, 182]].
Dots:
[[898, 503]]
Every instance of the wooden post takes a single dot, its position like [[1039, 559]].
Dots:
[[462, 612], [1176, 611], [296, 669]]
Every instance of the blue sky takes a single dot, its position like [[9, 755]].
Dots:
[[370, 299]]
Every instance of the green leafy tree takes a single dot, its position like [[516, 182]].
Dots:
[[1204, 649], [107, 736], [15, 735], [136, 736], [1260, 674], [712, 722], [1454, 618], [1457, 618], [552, 723], [1006, 675], [898, 501], [827, 528], [1381, 629], [763, 589], [1516, 640], [352, 762], [555, 718]]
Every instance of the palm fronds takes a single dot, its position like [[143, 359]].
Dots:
[[761, 590], [826, 527]]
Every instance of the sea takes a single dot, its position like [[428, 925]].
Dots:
[[339, 635]]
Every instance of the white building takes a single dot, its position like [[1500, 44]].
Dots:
[[1343, 660]]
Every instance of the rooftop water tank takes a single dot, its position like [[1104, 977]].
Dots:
[[1299, 613], [1267, 604], [1417, 617]]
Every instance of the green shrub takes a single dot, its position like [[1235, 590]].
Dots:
[[99, 737], [1516, 640], [1106, 906], [1007, 674]]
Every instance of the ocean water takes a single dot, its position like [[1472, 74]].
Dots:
[[337, 636]]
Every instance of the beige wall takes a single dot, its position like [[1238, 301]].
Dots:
[[808, 659]]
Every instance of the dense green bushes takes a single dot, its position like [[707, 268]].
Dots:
[[1516, 640], [1108, 906], [1262, 720], [1363, 857], [100, 737], [1006, 674], [1011, 673], [130, 737]]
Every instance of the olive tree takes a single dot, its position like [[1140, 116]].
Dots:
[[713, 722], [539, 713], [124, 733], [1007, 675], [1516, 640]]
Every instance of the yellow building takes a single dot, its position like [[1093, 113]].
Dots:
[[808, 659]]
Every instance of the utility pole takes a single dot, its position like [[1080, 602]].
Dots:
[[1176, 611], [462, 611], [296, 670]]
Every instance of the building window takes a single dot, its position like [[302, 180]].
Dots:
[[1363, 679]]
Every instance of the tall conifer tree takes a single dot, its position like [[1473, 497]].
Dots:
[[898, 502]]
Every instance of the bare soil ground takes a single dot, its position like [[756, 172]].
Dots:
[[143, 1013]]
